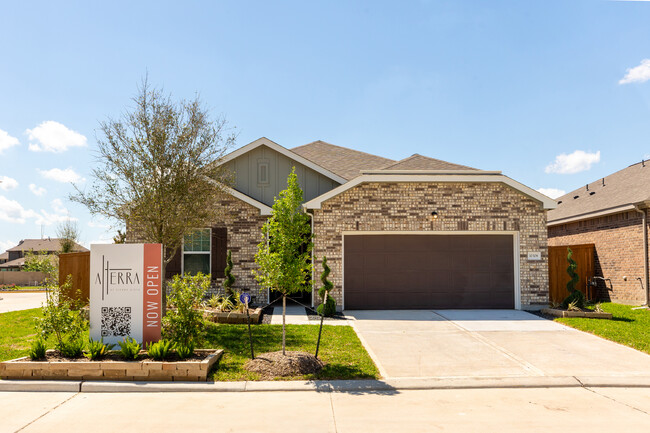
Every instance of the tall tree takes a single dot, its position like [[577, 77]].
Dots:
[[68, 234], [159, 172], [283, 255]]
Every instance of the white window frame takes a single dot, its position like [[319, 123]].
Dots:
[[209, 252]]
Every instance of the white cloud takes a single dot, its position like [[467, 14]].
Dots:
[[64, 176], [552, 192], [8, 183], [37, 190], [13, 212], [7, 141], [5, 245], [101, 224], [58, 207], [573, 163], [51, 136], [637, 74]]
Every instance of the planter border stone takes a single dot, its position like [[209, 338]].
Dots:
[[232, 317], [565, 313], [146, 370]]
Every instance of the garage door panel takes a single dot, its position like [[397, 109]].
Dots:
[[428, 271]]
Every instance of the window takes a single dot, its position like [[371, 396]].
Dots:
[[196, 252], [263, 173]]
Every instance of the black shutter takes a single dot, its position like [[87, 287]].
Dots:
[[174, 266], [219, 251]]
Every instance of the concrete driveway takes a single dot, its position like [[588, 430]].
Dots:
[[488, 343], [14, 301]]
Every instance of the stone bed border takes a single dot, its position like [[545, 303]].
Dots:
[[147, 370], [232, 317], [564, 313]]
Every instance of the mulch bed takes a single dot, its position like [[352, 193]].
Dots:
[[274, 364], [55, 356], [312, 315]]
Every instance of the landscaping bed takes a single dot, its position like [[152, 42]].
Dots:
[[233, 317], [556, 312], [112, 367]]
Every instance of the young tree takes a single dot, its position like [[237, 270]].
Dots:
[[159, 173], [68, 233], [283, 255]]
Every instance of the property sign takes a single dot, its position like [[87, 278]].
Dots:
[[125, 292]]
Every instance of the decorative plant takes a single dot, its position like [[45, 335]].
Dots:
[[328, 306], [97, 349], [72, 347], [283, 255], [184, 351], [62, 318], [229, 279], [129, 348], [160, 350], [183, 323], [38, 349], [575, 298]]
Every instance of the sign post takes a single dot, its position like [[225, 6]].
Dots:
[[245, 299], [126, 286]]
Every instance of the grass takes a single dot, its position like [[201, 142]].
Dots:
[[17, 333], [627, 326], [19, 288], [340, 350]]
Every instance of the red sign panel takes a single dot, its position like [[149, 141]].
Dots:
[[153, 286]]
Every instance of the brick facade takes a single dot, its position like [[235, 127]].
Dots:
[[466, 207], [618, 241]]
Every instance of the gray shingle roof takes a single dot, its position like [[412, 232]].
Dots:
[[17, 263], [347, 163], [49, 244], [625, 187], [419, 162]]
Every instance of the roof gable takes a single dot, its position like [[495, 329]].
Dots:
[[420, 162], [347, 163], [617, 192], [49, 244]]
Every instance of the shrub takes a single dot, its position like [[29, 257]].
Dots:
[[184, 351], [97, 349], [71, 347], [328, 308], [129, 348], [221, 303], [576, 298], [160, 350], [37, 351], [229, 279], [62, 317], [183, 323]]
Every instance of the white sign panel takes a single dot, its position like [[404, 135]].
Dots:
[[125, 292], [534, 255]]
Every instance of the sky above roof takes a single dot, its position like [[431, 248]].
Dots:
[[555, 94]]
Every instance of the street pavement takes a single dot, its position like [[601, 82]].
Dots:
[[15, 301]]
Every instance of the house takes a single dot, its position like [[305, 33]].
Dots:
[[15, 257], [612, 214], [414, 233]]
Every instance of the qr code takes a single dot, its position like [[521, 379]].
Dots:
[[116, 321]]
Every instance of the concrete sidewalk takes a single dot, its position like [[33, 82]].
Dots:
[[15, 301], [296, 315], [458, 410]]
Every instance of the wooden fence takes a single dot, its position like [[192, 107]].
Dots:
[[558, 276], [77, 265]]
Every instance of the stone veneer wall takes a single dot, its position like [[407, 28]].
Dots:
[[618, 241], [461, 206]]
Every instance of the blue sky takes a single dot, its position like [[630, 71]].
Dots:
[[497, 85]]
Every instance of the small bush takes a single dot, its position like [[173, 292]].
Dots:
[[221, 303], [71, 347], [328, 308], [185, 351], [183, 323], [37, 351], [160, 350], [129, 348], [97, 349]]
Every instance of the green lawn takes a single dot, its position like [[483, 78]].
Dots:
[[19, 288], [629, 327], [340, 349], [17, 333]]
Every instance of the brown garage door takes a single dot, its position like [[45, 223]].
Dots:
[[428, 271]]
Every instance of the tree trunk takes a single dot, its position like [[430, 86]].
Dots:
[[284, 314]]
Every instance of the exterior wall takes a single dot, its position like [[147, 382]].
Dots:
[[244, 224], [461, 207], [618, 241], [244, 167]]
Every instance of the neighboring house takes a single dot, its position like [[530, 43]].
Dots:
[[4, 257], [15, 257], [415, 233], [610, 213]]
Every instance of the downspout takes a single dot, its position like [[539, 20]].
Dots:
[[313, 269], [645, 249]]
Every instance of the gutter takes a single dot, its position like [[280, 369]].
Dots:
[[644, 220]]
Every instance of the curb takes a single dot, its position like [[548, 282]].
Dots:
[[347, 386]]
